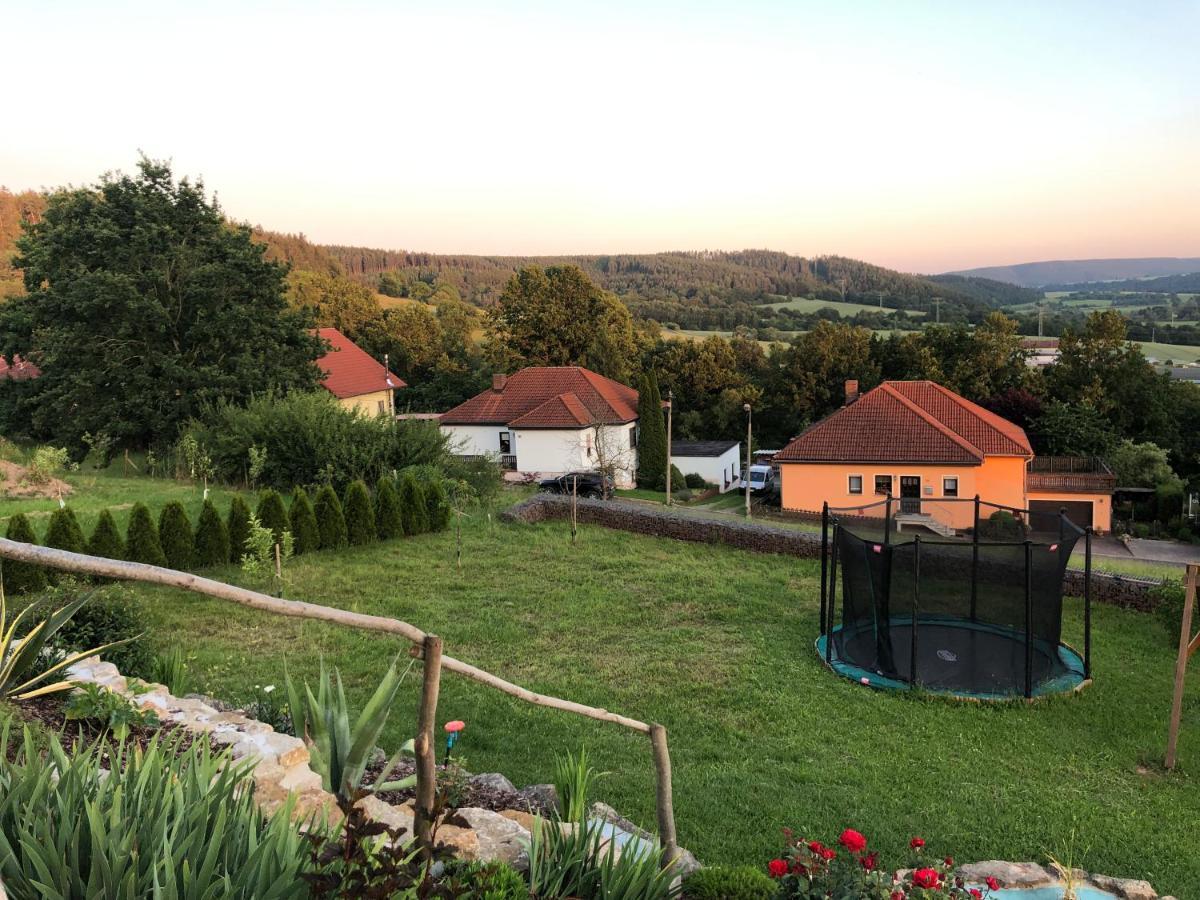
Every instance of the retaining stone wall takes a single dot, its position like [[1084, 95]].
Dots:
[[1118, 590]]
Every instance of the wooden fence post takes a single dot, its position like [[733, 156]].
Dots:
[[1186, 647], [423, 746], [664, 799]]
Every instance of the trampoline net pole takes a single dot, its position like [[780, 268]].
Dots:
[[832, 593], [887, 520], [912, 664], [1028, 619], [1087, 602], [975, 563], [824, 563]]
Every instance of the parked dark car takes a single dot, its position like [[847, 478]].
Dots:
[[589, 484]]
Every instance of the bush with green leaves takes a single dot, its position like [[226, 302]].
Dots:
[[695, 481], [272, 513], [1167, 600], [141, 538], [729, 883], [360, 516], [437, 504], [21, 577], [388, 523], [302, 522], [111, 616], [238, 526], [305, 435], [176, 537], [414, 513], [492, 880], [212, 538], [114, 713], [331, 523], [339, 752], [64, 532], [106, 539], [263, 551], [124, 822], [25, 642]]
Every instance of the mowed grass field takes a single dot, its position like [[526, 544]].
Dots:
[[716, 644], [846, 308]]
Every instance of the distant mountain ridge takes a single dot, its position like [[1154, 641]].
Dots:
[[1084, 271]]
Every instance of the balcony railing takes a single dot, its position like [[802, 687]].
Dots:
[[508, 462], [1070, 474]]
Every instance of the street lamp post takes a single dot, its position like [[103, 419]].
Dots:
[[749, 417], [670, 407]]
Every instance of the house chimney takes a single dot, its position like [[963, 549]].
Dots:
[[851, 390], [498, 381]]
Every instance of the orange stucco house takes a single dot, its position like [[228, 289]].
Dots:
[[933, 449]]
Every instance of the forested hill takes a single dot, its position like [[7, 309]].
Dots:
[[1165, 284], [1081, 271], [703, 276]]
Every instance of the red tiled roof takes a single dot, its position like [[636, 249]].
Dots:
[[350, 370], [909, 421], [20, 370], [549, 397]]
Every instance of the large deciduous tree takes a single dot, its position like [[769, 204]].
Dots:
[[144, 304]]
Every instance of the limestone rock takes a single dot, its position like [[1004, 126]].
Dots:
[[522, 818], [606, 813], [541, 797], [394, 817], [1009, 874], [1125, 888], [463, 841], [499, 837], [493, 781]]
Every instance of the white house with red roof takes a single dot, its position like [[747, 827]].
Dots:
[[545, 421], [358, 380]]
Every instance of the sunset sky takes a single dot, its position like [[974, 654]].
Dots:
[[924, 136]]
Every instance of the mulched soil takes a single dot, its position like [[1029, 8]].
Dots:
[[48, 711], [472, 795]]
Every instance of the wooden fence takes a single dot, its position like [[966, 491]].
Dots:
[[424, 645]]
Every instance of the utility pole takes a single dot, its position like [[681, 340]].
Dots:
[[1041, 317], [670, 408], [749, 435]]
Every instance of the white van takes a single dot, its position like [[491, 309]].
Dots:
[[762, 479]]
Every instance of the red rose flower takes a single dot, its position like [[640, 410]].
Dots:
[[926, 878], [777, 868], [992, 883], [897, 895], [816, 847], [977, 893], [949, 861], [870, 861], [828, 854], [853, 841], [917, 843]]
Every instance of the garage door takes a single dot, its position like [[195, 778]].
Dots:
[[1044, 513]]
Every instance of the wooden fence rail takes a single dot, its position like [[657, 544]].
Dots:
[[82, 564]]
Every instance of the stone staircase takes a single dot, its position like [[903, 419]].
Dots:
[[923, 520]]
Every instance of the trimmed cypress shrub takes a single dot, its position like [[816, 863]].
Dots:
[[306, 537], [360, 517], [238, 528], [437, 504], [141, 541], [176, 537], [64, 532], [388, 522], [330, 522], [106, 540], [20, 577], [652, 436], [212, 538], [272, 513], [413, 514]]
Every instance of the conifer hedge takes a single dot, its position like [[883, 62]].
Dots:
[[413, 513], [21, 577], [176, 537], [272, 513], [388, 522], [106, 540], [238, 528], [437, 504], [652, 437], [64, 532], [141, 540], [331, 523], [360, 517], [212, 538], [306, 536]]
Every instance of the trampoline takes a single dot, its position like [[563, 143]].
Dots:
[[967, 602]]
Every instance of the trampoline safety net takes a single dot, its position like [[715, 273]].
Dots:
[[976, 613]]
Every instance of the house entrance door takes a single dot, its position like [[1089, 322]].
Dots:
[[910, 494]]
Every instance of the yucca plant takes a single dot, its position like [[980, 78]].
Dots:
[[21, 676], [124, 823], [338, 751]]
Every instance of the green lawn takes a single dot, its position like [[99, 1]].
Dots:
[[846, 308], [716, 644]]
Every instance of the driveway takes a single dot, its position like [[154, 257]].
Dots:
[[1168, 552]]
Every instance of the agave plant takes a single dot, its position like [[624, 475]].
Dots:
[[338, 751], [21, 675]]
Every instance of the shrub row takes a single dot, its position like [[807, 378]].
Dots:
[[417, 505]]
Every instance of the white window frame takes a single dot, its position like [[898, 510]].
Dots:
[[953, 478], [849, 485]]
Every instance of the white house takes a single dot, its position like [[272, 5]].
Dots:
[[717, 462], [545, 421]]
